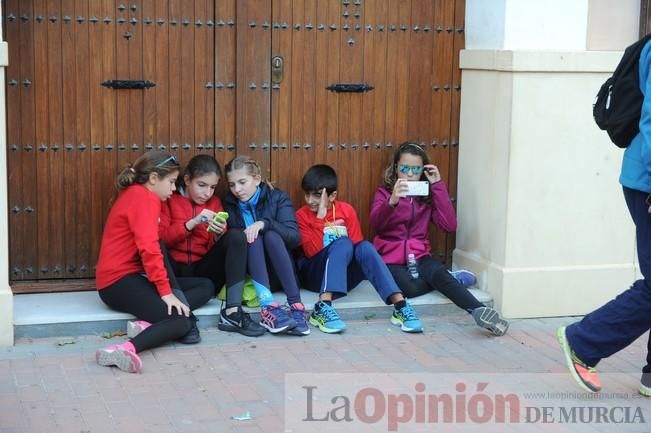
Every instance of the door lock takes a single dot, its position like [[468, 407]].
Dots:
[[277, 67]]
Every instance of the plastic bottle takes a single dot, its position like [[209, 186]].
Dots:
[[411, 266]]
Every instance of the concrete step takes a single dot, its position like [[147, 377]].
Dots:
[[83, 313]]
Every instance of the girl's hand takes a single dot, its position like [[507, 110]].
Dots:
[[432, 173], [174, 302], [323, 205], [252, 231], [219, 226], [400, 189], [206, 215]]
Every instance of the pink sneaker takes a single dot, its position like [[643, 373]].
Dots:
[[120, 357], [135, 327]]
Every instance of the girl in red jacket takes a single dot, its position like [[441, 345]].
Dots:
[[402, 224], [131, 276], [200, 246]]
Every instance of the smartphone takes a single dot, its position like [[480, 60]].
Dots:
[[419, 187], [219, 217]]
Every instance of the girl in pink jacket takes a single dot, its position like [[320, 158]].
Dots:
[[401, 223]]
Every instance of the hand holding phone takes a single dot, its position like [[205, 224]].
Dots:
[[218, 223], [417, 188]]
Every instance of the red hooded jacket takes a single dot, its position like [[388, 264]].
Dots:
[[186, 246]]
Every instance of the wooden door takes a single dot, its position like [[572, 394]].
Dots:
[[68, 135], [406, 50], [211, 61]]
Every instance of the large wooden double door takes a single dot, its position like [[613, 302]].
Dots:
[[288, 82]]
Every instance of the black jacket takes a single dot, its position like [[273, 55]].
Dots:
[[274, 208]]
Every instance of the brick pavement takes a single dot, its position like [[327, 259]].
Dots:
[[48, 387]]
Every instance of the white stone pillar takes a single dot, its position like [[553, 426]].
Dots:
[[6, 296], [542, 219]]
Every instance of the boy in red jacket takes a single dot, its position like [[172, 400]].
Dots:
[[337, 256]]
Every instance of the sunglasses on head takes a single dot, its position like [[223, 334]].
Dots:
[[415, 169], [165, 161]]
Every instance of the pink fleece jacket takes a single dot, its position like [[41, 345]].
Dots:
[[404, 229]]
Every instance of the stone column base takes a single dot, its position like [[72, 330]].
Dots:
[[549, 291]]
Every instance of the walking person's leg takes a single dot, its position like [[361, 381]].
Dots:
[[619, 322]]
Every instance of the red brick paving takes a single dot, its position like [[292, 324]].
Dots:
[[49, 388]]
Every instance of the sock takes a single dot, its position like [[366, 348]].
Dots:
[[398, 305], [317, 307], [128, 346]]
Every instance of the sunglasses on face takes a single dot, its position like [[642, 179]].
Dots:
[[417, 170], [165, 161]]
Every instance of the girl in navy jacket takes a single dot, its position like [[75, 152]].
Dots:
[[268, 219]]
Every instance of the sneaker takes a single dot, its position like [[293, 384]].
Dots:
[[192, 337], [297, 311], [275, 319], [464, 277], [121, 358], [239, 321], [645, 385], [406, 319], [585, 376], [490, 319], [135, 327], [326, 319]]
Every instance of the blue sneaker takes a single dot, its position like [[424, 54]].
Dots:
[[297, 311], [464, 277], [327, 319], [275, 319], [406, 319]]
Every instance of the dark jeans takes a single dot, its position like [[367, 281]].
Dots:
[[433, 276], [271, 265], [324, 272], [224, 263], [618, 323]]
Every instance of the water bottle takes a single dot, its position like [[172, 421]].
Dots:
[[411, 266]]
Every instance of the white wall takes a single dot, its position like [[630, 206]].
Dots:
[[541, 214], [562, 25], [612, 24], [485, 22], [6, 296]]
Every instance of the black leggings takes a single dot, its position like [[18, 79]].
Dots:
[[433, 276], [224, 263], [135, 294]]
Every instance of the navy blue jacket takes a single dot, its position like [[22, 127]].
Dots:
[[274, 208]]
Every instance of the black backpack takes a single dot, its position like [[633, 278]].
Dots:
[[619, 101]]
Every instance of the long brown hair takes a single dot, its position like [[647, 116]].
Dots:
[[391, 171], [154, 161]]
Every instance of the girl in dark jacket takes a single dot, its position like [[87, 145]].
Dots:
[[268, 219]]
